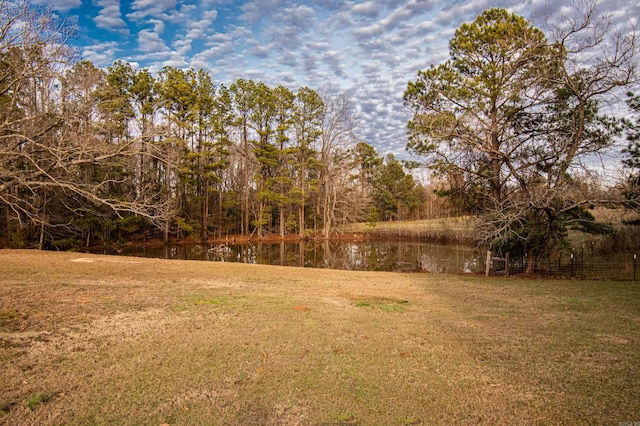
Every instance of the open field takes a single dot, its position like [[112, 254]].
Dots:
[[458, 228], [461, 227], [90, 339]]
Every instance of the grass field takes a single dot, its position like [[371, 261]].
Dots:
[[126, 341], [448, 227], [462, 227]]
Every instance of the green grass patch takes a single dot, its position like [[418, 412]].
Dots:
[[384, 305], [9, 319], [36, 399], [215, 301], [344, 419]]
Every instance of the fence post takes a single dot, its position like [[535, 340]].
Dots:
[[488, 265], [635, 265], [571, 265], [507, 259]]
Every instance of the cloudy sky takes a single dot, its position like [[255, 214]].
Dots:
[[367, 49]]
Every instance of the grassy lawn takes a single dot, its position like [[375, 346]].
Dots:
[[90, 339]]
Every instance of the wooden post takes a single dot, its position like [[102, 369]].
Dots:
[[571, 273], [488, 267], [507, 259]]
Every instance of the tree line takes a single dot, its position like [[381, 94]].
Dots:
[[94, 155], [509, 127]]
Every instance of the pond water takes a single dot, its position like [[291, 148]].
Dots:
[[401, 256]]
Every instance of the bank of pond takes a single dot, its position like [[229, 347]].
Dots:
[[393, 256]]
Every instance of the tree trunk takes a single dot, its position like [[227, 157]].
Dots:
[[328, 213], [220, 201], [532, 260], [282, 225], [43, 225], [301, 218], [245, 197], [167, 178], [301, 252], [204, 232], [260, 214]]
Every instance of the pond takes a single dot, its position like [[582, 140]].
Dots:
[[399, 256]]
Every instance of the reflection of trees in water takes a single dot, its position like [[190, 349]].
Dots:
[[429, 264], [368, 255], [219, 252]]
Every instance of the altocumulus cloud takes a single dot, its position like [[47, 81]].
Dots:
[[366, 49]]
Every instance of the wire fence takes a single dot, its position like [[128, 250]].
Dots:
[[576, 264], [600, 258]]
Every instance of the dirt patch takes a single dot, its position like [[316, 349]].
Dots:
[[104, 260]]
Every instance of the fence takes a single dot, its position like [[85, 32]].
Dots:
[[571, 264]]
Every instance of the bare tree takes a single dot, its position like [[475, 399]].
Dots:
[[50, 153], [339, 124]]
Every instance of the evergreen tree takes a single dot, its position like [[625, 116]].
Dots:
[[307, 127], [632, 153], [514, 115]]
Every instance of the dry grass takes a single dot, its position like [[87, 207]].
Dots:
[[101, 340], [614, 217], [449, 227]]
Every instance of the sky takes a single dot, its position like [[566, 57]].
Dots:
[[368, 50]]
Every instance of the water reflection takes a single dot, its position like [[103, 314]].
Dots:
[[370, 256]]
